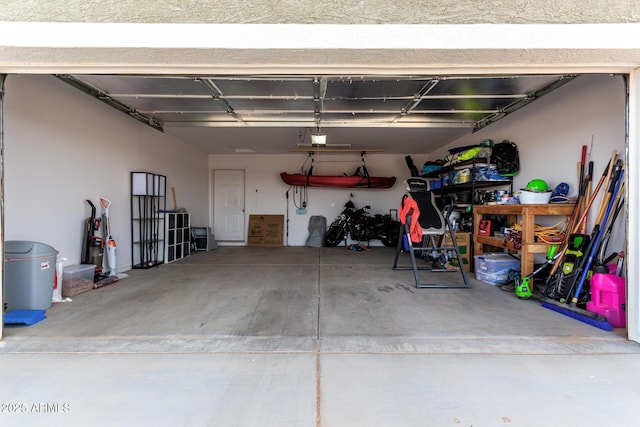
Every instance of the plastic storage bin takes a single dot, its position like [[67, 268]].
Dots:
[[77, 279], [29, 269], [495, 268]]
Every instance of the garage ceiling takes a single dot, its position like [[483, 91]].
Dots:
[[275, 114]]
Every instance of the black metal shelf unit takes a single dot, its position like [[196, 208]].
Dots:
[[148, 206], [443, 177], [471, 185]]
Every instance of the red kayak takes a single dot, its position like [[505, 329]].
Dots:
[[355, 181]]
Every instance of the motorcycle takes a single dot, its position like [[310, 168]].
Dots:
[[361, 226]]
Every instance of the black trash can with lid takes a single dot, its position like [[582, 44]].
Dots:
[[29, 271]]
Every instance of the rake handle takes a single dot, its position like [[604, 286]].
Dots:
[[576, 225]]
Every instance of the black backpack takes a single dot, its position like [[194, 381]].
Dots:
[[505, 156]]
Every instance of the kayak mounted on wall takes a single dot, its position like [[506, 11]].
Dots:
[[353, 181], [360, 179]]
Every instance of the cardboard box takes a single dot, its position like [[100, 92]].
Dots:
[[494, 268], [464, 245], [266, 230], [255, 241]]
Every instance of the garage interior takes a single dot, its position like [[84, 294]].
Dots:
[[293, 335], [254, 326]]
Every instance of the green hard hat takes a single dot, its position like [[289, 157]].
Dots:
[[537, 185]]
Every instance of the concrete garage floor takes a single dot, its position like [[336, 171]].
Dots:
[[311, 337]]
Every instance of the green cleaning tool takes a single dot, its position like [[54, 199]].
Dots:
[[578, 244], [524, 286]]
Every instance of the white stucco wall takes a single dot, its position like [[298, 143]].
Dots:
[[266, 193], [62, 147]]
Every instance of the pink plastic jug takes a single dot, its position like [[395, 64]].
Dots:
[[608, 297]]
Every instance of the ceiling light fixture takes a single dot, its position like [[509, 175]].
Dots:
[[319, 139]]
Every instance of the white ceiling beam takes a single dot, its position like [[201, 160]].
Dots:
[[343, 50]]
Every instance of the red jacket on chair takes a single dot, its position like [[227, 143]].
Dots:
[[409, 208]]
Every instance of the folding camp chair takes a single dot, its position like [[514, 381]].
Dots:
[[434, 241]]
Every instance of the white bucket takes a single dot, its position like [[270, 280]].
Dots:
[[533, 198]]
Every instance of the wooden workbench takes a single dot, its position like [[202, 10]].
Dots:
[[528, 214]]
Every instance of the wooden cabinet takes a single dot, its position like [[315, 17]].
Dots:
[[528, 214], [178, 236]]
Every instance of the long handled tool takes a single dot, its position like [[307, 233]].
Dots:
[[576, 224], [93, 246], [581, 245], [605, 199], [598, 230], [574, 243], [524, 288], [583, 227], [579, 205], [111, 243], [619, 204]]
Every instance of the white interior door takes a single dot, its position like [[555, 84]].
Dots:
[[228, 205]]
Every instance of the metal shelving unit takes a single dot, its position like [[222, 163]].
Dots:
[[148, 206], [473, 184]]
